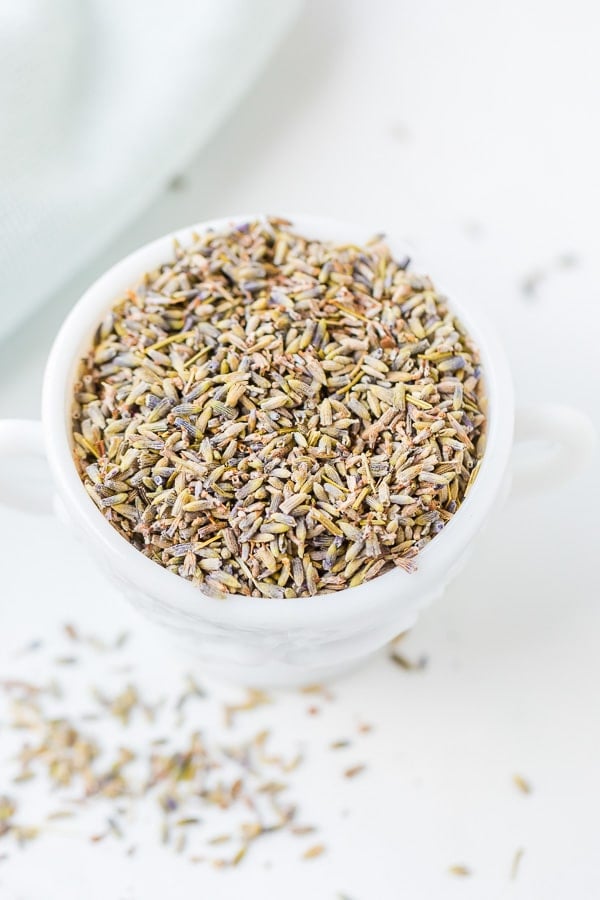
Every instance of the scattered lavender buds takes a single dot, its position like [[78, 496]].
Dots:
[[189, 779]]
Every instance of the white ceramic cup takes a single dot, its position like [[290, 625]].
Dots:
[[254, 640]]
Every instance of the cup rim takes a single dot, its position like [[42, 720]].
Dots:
[[178, 593]]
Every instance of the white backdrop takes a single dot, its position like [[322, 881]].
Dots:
[[472, 129]]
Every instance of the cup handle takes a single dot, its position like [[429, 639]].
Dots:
[[24, 488], [571, 437]]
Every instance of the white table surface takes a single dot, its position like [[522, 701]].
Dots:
[[472, 129]]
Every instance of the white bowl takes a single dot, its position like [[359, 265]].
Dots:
[[254, 640]]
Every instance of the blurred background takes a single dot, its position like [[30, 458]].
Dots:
[[472, 130]]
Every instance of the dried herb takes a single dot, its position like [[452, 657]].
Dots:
[[302, 830], [514, 869], [522, 784], [353, 771], [460, 871], [272, 415], [254, 698], [178, 775], [534, 280], [407, 664], [313, 852]]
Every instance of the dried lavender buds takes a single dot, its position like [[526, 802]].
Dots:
[[190, 781], [272, 415]]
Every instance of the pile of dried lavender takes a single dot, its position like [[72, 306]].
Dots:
[[211, 792], [272, 415]]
